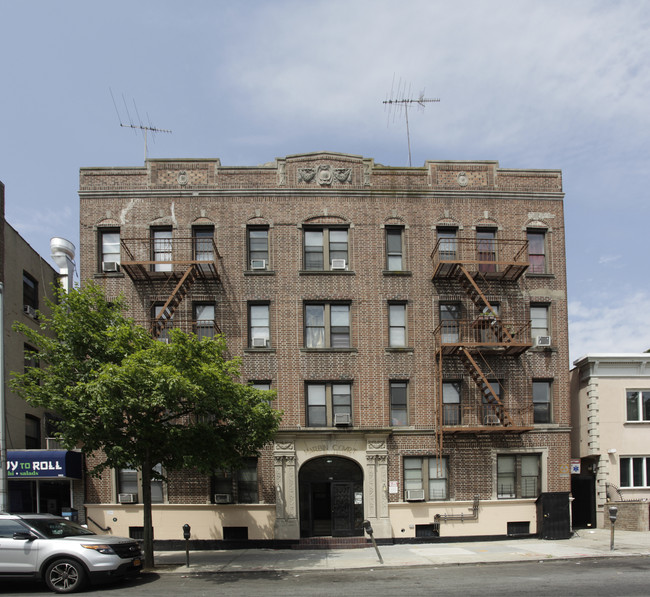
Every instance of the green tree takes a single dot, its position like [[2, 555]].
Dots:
[[134, 402]]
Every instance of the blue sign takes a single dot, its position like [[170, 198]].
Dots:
[[43, 464]]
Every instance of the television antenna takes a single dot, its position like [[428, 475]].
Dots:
[[400, 100], [144, 128]]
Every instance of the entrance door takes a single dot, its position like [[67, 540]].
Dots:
[[331, 498]]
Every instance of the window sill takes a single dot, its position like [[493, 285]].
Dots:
[[101, 275], [403, 273], [636, 423], [260, 272], [326, 272], [258, 350], [399, 349], [319, 350], [531, 275]]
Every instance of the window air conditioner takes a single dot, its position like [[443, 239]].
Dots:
[[110, 266], [29, 310], [222, 498], [259, 342], [342, 419], [258, 263], [127, 498], [543, 341], [338, 264], [415, 495]]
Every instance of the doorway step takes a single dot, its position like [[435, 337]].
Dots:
[[332, 543]]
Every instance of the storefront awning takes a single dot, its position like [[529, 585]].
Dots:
[[43, 464]]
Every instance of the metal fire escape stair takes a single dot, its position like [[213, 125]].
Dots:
[[178, 294]]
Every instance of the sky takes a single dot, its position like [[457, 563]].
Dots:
[[559, 84]]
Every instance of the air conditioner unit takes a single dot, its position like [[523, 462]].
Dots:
[[259, 342], [127, 498], [543, 341], [222, 498], [110, 266], [415, 495], [29, 310], [338, 264], [258, 263], [342, 419]]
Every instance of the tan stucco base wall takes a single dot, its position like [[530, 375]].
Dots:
[[493, 517], [206, 520]]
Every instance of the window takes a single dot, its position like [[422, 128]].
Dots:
[[258, 248], [161, 245], [428, 474], [398, 403], [109, 248], [167, 319], [236, 486], [394, 249], [203, 243], [32, 433], [261, 385], [491, 408], [30, 291], [30, 357], [541, 401], [538, 320], [638, 405], [449, 322], [537, 251], [635, 472], [259, 327], [329, 404], [327, 325], [451, 414], [129, 481], [397, 325], [326, 249], [518, 476], [204, 323], [486, 249], [447, 244]]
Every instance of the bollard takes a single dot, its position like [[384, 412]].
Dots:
[[186, 536], [368, 528]]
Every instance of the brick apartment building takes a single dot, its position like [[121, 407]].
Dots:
[[412, 320]]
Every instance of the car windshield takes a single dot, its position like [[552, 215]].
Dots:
[[55, 528]]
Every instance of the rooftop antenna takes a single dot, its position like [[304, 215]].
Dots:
[[144, 128], [400, 99]]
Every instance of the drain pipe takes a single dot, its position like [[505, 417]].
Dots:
[[462, 517]]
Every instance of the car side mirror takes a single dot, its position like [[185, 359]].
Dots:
[[24, 536]]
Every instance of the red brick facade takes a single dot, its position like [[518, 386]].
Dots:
[[343, 192]]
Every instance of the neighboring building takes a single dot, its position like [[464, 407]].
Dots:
[[610, 396], [41, 477], [412, 320]]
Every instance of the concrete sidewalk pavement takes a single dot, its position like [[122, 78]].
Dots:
[[592, 543]]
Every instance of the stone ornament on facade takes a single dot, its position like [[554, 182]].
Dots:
[[286, 445], [462, 179], [306, 174], [325, 175], [182, 178]]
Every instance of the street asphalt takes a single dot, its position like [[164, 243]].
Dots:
[[587, 543]]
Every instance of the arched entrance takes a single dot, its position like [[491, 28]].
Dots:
[[331, 498]]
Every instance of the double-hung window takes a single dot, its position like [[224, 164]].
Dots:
[[129, 481], [30, 293], [450, 322], [203, 243], [32, 432], [325, 249], [109, 249], [537, 251], [166, 318], [451, 411], [161, 248], [397, 325], [328, 404], [395, 249], [518, 476], [259, 328], [204, 322], [398, 403], [541, 401], [425, 478], [486, 248], [447, 244], [236, 485], [258, 248], [638, 405], [327, 325], [635, 471], [539, 322]]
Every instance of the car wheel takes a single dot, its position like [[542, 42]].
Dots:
[[65, 576]]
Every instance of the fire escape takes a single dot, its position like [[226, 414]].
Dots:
[[480, 268], [167, 268]]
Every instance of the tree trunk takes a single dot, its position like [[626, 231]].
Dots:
[[146, 514]]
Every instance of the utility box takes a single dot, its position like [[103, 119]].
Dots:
[[553, 519]]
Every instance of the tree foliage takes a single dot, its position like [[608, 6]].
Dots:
[[135, 402]]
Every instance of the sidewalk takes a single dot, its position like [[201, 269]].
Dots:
[[584, 544]]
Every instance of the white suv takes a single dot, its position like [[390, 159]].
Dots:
[[62, 553]]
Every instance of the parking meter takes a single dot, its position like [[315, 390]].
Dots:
[[367, 527], [613, 513], [186, 536], [186, 531]]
